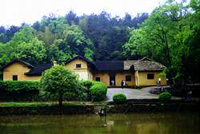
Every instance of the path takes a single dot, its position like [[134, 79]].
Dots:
[[131, 93], [134, 93]]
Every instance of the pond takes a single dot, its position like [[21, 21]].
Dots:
[[134, 123]]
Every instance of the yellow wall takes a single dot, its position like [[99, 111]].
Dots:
[[141, 79], [122, 76], [83, 72], [19, 70], [105, 78]]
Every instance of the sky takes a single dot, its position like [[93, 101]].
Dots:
[[15, 12]]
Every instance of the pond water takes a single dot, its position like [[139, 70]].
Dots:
[[134, 123]]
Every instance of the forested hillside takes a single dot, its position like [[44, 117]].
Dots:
[[169, 35], [95, 36]]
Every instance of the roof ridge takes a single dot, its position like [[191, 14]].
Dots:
[[18, 60]]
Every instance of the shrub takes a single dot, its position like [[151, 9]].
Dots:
[[19, 90], [119, 98], [165, 96], [87, 83], [98, 91], [19, 85], [80, 93]]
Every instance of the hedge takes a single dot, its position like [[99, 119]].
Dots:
[[19, 90], [87, 83], [30, 91], [98, 91], [19, 85], [165, 96], [119, 98]]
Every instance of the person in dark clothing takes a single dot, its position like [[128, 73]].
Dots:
[[122, 84]]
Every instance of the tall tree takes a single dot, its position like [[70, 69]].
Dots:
[[25, 46], [58, 81], [166, 37], [72, 18]]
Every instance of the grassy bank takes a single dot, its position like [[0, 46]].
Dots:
[[44, 108], [52, 108]]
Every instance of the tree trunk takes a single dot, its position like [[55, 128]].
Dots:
[[60, 102]]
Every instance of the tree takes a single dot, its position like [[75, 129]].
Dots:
[[10, 32], [57, 81], [137, 45], [47, 36], [3, 57], [2, 34], [78, 43], [72, 18], [59, 51], [24, 46], [32, 52], [170, 35]]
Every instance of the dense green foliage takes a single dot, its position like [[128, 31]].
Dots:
[[165, 96], [19, 90], [87, 83], [61, 38], [119, 98], [98, 91], [35, 91], [19, 85], [171, 36]]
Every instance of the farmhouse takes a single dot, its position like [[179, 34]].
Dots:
[[143, 72]]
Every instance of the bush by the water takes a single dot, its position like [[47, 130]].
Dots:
[[98, 91], [165, 96], [119, 98], [19, 90]]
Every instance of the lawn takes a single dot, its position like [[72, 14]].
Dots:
[[40, 104]]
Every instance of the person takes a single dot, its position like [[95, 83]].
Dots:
[[159, 82], [189, 95], [122, 84], [113, 82]]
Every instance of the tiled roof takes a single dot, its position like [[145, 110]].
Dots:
[[18, 61], [144, 64], [128, 64], [37, 70], [109, 65]]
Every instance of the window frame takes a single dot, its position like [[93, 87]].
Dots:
[[128, 78], [150, 76], [97, 77], [15, 78], [78, 65]]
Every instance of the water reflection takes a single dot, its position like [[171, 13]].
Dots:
[[143, 123]]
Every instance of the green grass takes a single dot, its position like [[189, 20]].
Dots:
[[23, 104], [39, 104]]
